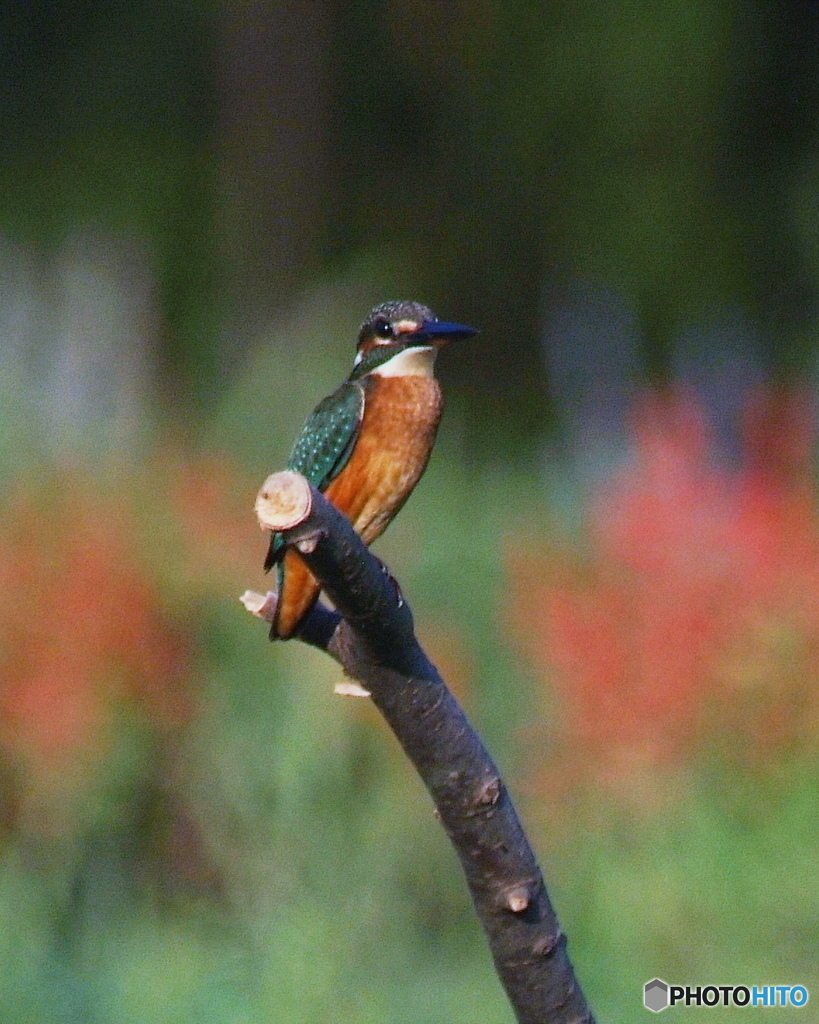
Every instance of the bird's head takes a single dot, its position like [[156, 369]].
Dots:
[[394, 328]]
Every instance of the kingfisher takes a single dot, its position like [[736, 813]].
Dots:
[[367, 444]]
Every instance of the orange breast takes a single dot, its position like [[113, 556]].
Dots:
[[401, 417]]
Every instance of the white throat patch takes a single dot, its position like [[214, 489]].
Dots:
[[409, 362]]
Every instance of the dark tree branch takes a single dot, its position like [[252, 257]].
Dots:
[[372, 637]]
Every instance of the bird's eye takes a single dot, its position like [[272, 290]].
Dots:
[[383, 329]]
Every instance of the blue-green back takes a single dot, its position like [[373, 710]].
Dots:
[[325, 444]]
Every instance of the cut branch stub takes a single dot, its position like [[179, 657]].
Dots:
[[263, 606], [284, 501]]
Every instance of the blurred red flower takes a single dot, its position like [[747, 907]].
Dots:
[[82, 626], [694, 613]]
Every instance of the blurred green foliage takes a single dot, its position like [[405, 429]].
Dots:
[[669, 152], [198, 203], [236, 843]]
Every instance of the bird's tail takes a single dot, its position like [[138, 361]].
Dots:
[[298, 592], [275, 551]]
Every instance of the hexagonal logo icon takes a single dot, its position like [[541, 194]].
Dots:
[[655, 995]]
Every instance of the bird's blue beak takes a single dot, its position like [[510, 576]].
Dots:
[[443, 329]]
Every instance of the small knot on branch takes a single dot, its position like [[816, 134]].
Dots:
[[284, 501], [519, 898], [548, 945], [490, 792]]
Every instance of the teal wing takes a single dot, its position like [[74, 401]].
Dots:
[[329, 436], [324, 445]]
